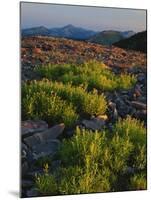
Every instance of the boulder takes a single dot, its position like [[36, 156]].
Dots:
[[141, 77], [26, 183], [24, 168], [94, 124], [32, 126], [36, 51], [112, 105], [141, 114], [43, 137], [33, 192], [46, 149], [139, 105]]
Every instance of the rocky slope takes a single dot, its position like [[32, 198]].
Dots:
[[44, 50], [40, 139]]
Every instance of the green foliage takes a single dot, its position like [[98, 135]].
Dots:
[[138, 182], [96, 162], [42, 161], [135, 130], [46, 183], [93, 74], [76, 180], [120, 149], [81, 171], [92, 162], [38, 104], [56, 101], [84, 143]]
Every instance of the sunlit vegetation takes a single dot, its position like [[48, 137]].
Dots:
[[96, 161], [57, 102], [92, 74]]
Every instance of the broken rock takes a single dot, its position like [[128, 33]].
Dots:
[[32, 126], [43, 137], [94, 124]]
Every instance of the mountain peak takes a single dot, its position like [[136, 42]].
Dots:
[[69, 26]]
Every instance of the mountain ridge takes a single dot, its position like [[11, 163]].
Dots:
[[71, 32], [136, 42], [68, 31]]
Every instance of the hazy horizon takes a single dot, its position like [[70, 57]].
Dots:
[[92, 18]]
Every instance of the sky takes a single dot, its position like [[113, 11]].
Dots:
[[93, 18]]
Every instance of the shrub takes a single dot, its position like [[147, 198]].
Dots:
[[38, 104], [89, 103], [94, 162], [94, 74], [126, 81], [135, 130], [120, 150], [77, 180], [138, 182], [46, 183], [85, 142]]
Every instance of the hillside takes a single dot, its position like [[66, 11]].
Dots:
[[109, 37], [44, 50], [137, 42], [82, 103], [106, 37]]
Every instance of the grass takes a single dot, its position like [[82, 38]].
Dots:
[[95, 161], [93, 74]]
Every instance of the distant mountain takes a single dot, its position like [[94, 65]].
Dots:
[[72, 32], [137, 42], [41, 30], [68, 31], [127, 34], [109, 37]]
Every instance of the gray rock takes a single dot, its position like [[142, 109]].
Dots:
[[137, 91], [115, 114], [119, 102], [24, 147], [142, 99], [94, 124], [124, 92], [30, 127], [24, 168], [33, 192], [141, 114], [46, 149], [130, 170], [24, 151], [26, 183], [23, 154], [112, 105], [141, 77], [43, 137], [114, 110], [139, 105]]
